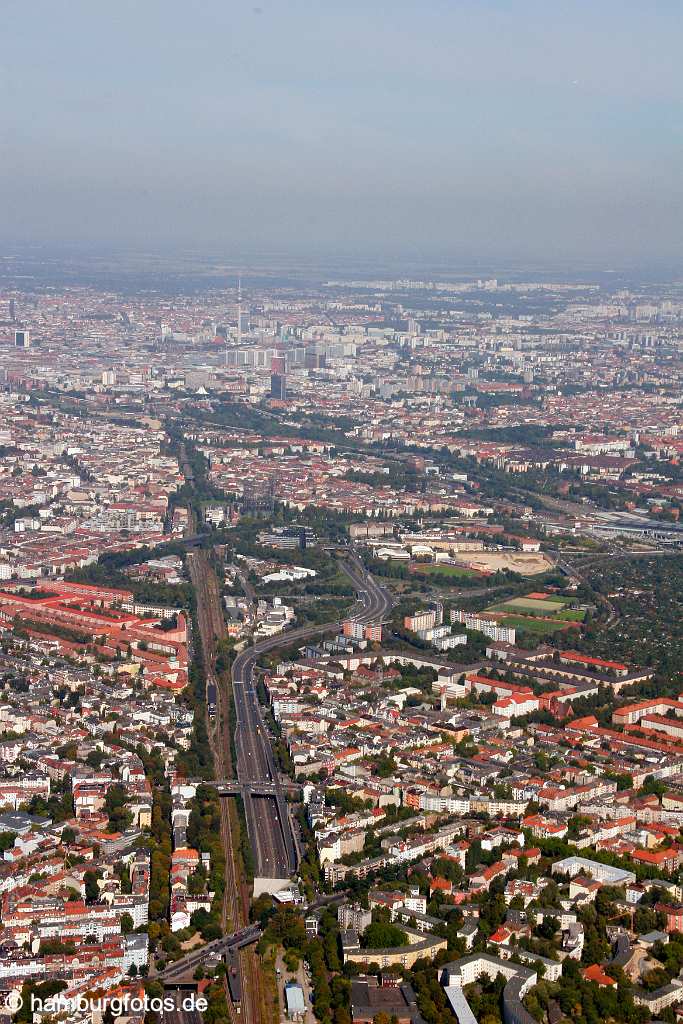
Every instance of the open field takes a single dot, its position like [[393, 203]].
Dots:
[[436, 568], [539, 615], [530, 604], [514, 561], [571, 615], [538, 626]]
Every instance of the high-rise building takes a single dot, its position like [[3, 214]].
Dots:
[[245, 322], [278, 363], [278, 387], [423, 619], [314, 359], [12, 310], [352, 629], [22, 339], [373, 632]]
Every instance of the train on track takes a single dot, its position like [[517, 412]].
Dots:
[[211, 699], [234, 978]]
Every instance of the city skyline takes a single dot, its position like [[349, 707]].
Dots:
[[341, 512], [341, 632]]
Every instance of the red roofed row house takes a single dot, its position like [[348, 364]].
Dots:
[[162, 655]]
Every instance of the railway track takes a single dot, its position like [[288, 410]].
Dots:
[[236, 896], [267, 817], [269, 825]]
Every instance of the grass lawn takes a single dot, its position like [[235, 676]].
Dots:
[[447, 570], [510, 608], [537, 626], [570, 615], [533, 605], [539, 609]]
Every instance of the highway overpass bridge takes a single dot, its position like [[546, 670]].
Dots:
[[232, 787], [273, 839]]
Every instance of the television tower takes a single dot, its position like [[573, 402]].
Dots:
[[239, 320], [239, 311]]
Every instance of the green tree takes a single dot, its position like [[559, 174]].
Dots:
[[92, 889], [381, 935]]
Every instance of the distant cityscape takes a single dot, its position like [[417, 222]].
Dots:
[[341, 650]]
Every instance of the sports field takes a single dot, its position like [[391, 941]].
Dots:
[[434, 568], [534, 605], [540, 614], [540, 627]]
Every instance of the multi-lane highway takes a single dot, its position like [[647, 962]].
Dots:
[[267, 816], [375, 601], [236, 899], [271, 836]]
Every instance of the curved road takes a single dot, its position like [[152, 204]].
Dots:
[[267, 817], [376, 601]]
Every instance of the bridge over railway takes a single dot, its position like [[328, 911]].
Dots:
[[272, 836], [264, 794], [176, 973]]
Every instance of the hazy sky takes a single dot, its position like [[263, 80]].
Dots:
[[538, 129]]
